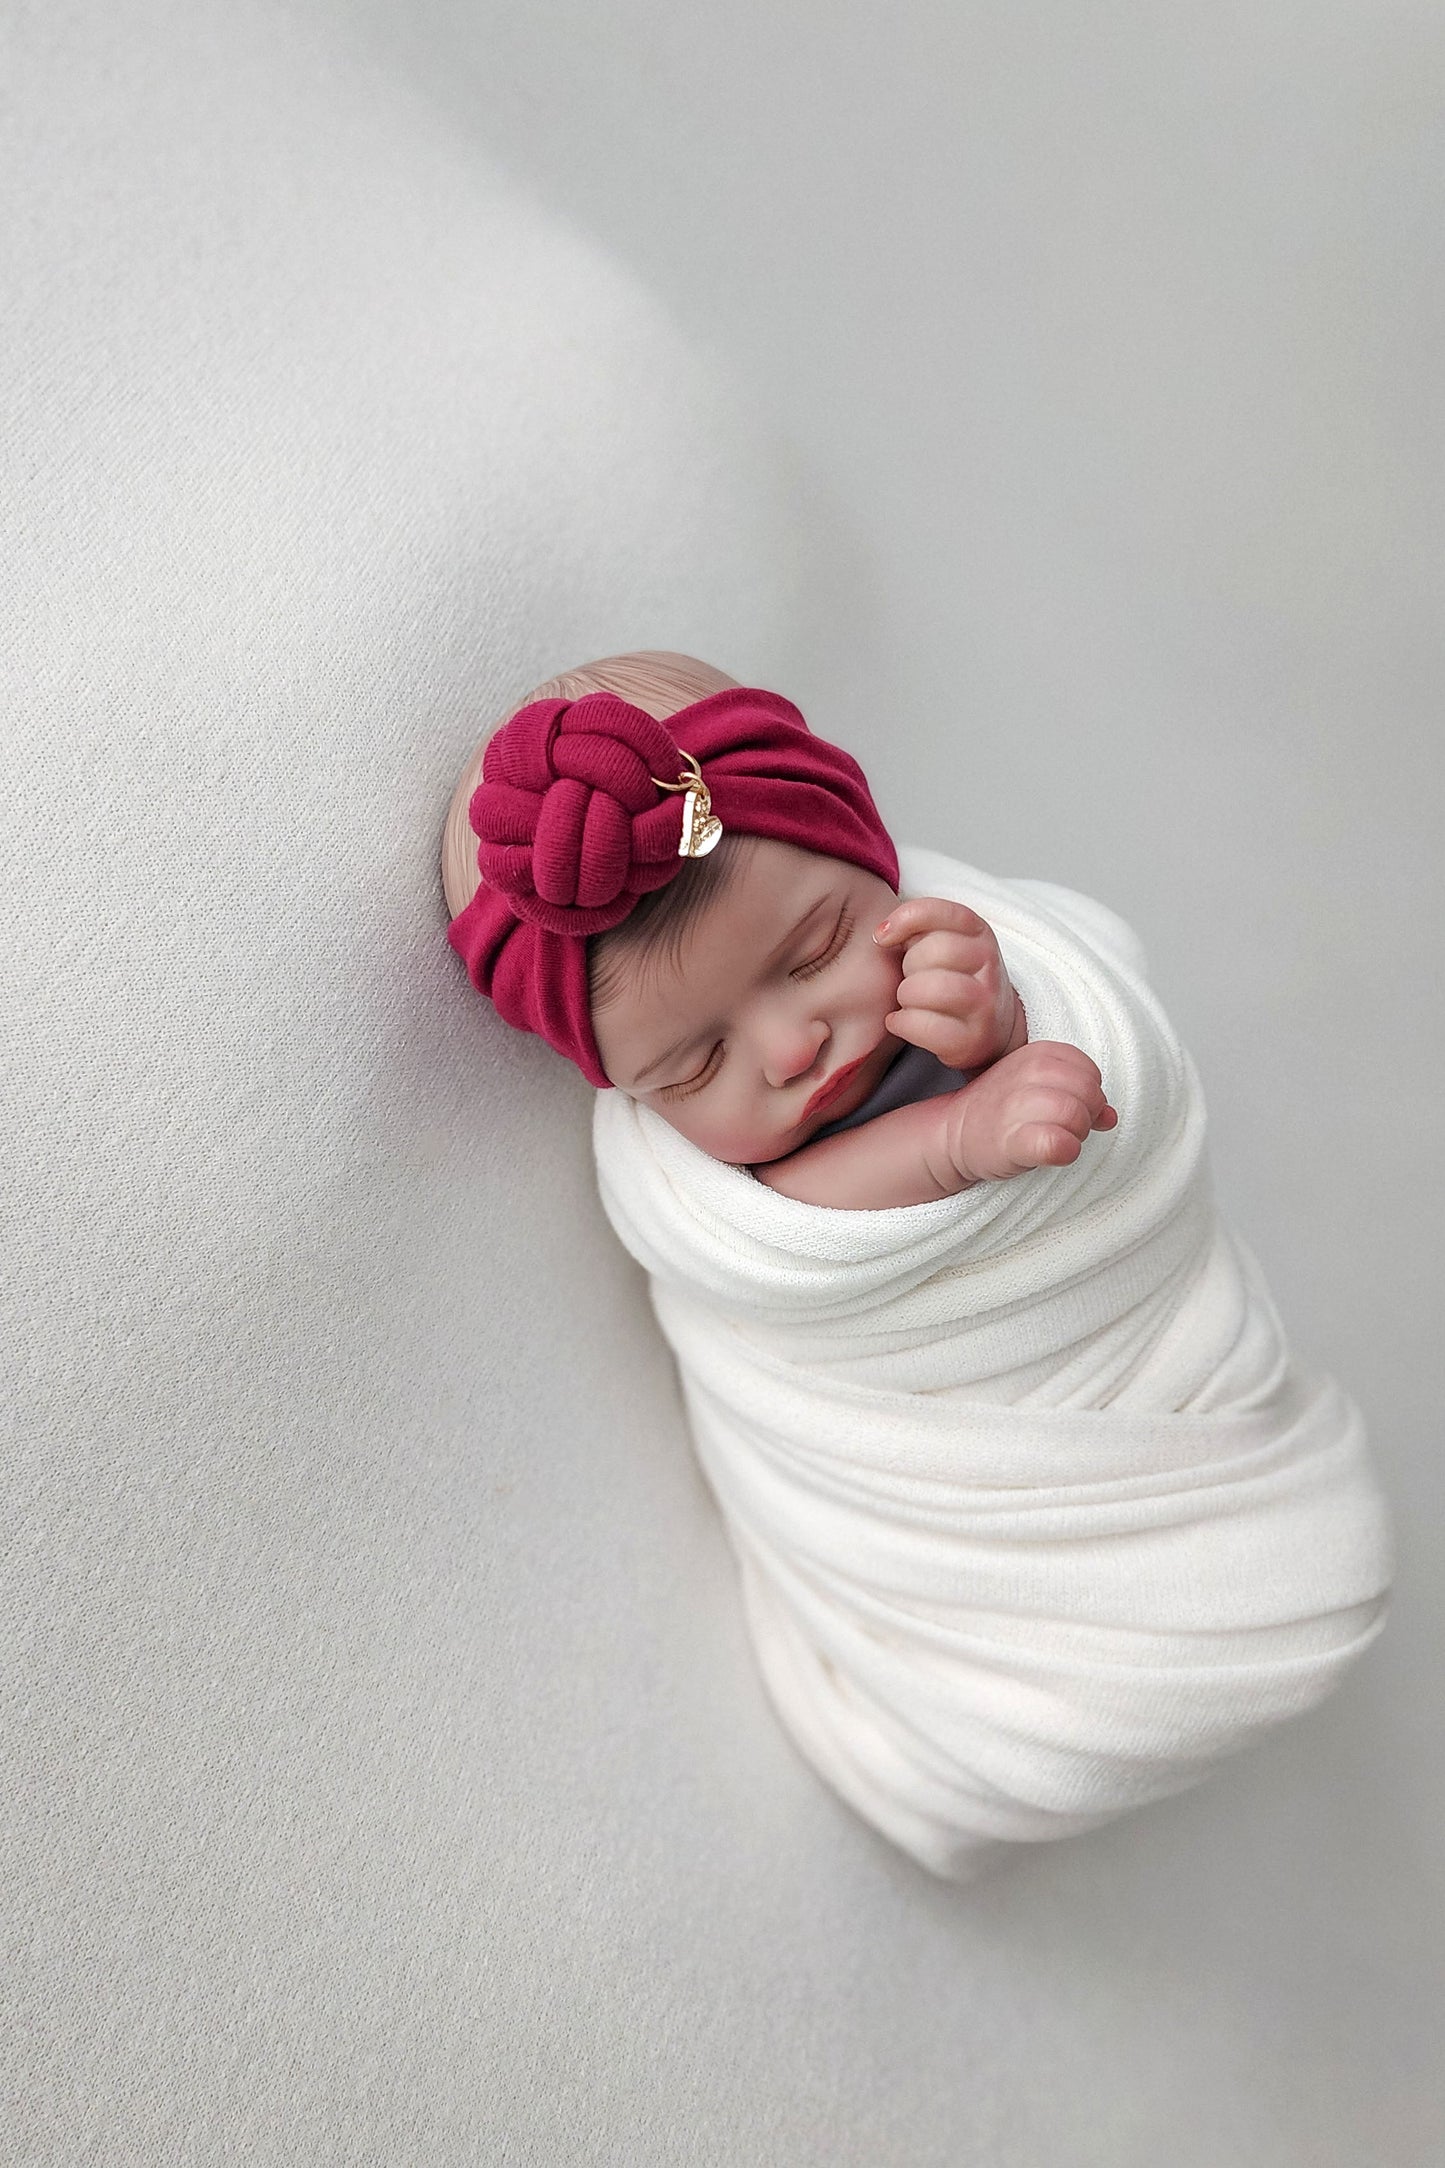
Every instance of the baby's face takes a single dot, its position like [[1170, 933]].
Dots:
[[777, 990]]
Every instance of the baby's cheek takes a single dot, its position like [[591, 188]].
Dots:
[[718, 1136], [739, 1146], [886, 976], [741, 1137]]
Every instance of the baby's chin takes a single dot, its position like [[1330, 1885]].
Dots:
[[758, 1152]]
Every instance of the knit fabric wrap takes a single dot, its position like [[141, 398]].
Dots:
[[572, 829]]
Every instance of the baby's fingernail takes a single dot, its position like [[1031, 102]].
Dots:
[[879, 931]]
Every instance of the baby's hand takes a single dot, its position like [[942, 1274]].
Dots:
[[1033, 1108], [955, 999]]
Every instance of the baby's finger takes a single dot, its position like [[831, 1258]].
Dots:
[[1052, 1061], [1059, 1109], [1044, 1144], [955, 1044], [1061, 1059], [951, 993], [915, 915], [949, 951]]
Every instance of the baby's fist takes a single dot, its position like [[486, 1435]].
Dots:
[[1033, 1108], [955, 998]]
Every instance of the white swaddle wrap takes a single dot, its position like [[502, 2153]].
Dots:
[[1035, 1514]]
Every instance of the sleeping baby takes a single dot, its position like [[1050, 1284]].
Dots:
[[1035, 1516]]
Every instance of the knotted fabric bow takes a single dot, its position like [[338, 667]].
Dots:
[[584, 806]]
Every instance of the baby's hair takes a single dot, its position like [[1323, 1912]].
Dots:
[[657, 922], [660, 683]]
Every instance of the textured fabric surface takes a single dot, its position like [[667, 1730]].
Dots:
[[1036, 1517], [321, 444]]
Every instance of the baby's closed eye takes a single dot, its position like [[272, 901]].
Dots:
[[837, 941], [833, 948], [705, 1075]]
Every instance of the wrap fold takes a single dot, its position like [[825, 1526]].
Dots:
[[1036, 1516]]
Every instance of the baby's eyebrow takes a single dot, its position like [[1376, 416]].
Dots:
[[690, 1038]]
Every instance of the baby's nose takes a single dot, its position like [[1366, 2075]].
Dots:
[[793, 1049]]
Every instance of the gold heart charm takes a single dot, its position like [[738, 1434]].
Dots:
[[700, 825]]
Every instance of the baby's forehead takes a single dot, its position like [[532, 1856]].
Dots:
[[762, 891], [771, 892], [767, 880]]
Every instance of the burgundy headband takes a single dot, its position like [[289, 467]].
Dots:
[[578, 815]]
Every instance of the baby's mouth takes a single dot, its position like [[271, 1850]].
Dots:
[[836, 1085]]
